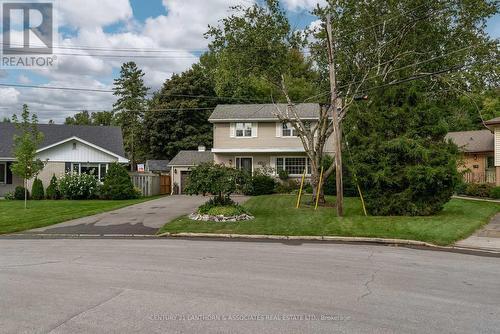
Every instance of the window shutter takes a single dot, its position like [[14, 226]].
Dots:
[[255, 128], [9, 173], [232, 130], [279, 127]]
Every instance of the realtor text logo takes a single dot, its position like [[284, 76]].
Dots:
[[27, 34]]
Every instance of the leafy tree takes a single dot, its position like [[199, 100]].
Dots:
[[173, 122], [95, 118], [253, 48], [219, 180], [37, 191], [26, 143], [130, 107], [117, 184], [401, 160]]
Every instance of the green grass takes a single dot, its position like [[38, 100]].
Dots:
[[14, 218], [276, 215]]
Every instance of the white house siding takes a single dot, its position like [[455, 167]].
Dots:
[[82, 153], [497, 146]]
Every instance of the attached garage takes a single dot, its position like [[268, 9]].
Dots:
[[181, 164]]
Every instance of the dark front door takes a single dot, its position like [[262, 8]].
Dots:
[[184, 181], [245, 164]]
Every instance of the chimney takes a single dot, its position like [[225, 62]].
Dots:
[[202, 148]]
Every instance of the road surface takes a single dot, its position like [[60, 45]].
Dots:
[[201, 286]]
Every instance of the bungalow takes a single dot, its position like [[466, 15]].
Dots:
[[65, 149]]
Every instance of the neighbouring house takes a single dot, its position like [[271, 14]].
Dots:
[[478, 159], [65, 149], [157, 166], [494, 126], [181, 165]]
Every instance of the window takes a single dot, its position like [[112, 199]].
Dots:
[[490, 162], [288, 130], [97, 170], [243, 129], [3, 172], [293, 165]]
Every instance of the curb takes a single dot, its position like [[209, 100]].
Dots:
[[353, 240]]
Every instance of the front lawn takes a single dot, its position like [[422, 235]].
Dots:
[[276, 215], [14, 218]]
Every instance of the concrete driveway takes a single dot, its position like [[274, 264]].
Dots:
[[140, 219]]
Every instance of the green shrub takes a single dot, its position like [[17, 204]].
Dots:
[[218, 180], [10, 196], [216, 202], [283, 175], [19, 193], [461, 188], [117, 184], [478, 190], [79, 187], [287, 187], [262, 185], [495, 192], [53, 189], [37, 191]]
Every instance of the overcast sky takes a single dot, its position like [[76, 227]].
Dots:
[[177, 25]]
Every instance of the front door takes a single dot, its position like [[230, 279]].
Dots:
[[245, 164]]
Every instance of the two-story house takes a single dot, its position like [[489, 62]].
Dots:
[[251, 137]]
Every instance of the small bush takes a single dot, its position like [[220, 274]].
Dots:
[[216, 202], [262, 185], [37, 191], [10, 196], [283, 175], [117, 184], [19, 193], [79, 187], [461, 188], [478, 190], [288, 187], [495, 192], [53, 189]]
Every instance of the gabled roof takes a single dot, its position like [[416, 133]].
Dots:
[[473, 141], [157, 165], [191, 158], [108, 138], [260, 112]]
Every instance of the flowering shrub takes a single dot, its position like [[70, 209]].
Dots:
[[77, 187]]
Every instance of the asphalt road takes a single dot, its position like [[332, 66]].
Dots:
[[183, 286]]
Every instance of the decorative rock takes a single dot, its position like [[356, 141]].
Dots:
[[220, 218]]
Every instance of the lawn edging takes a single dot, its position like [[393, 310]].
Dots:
[[353, 240]]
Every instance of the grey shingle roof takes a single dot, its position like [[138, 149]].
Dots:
[[107, 137], [262, 112], [473, 141], [493, 121], [191, 158], [157, 165]]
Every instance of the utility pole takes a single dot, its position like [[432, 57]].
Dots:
[[335, 105]]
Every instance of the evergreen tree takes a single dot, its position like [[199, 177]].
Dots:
[[130, 107]]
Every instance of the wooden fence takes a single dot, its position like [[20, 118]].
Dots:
[[151, 184], [485, 177]]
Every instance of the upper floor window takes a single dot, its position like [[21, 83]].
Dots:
[[243, 129], [288, 130]]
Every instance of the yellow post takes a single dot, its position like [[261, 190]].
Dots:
[[319, 189], [301, 188], [362, 200]]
